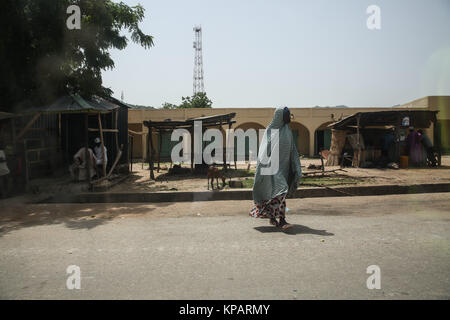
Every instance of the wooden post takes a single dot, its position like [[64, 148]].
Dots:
[[358, 158], [116, 134], [26, 165], [59, 130], [102, 143], [104, 130], [67, 138], [144, 145], [437, 140], [234, 155], [147, 156], [397, 139], [159, 151], [171, 163], [116, 119], [119, 155], [152, 151], [192, 149], [87, 154], [13, 131], [131, 153], [224, 155]]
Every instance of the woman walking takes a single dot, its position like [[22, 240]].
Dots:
[[270, 190]]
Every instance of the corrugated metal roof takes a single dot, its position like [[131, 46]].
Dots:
[[418, 118], [208, 120], [74, 103]]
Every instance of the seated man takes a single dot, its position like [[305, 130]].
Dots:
[[78, 170], [99, 156]]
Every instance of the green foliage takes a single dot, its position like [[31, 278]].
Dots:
[[198, 100], [167, 105], [40, 58]]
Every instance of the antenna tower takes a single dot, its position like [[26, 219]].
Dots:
[[198, 61]]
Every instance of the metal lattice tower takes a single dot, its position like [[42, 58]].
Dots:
[[198, 61]]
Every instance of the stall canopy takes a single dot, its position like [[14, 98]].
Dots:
[[418, 119], [366, 122], [169, 125], [216, 120], [74, 103]]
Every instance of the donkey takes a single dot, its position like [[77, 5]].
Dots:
[[215, 173]]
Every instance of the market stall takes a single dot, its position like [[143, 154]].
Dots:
[[378, 139]]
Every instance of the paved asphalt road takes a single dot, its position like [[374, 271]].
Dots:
[[213, 250]]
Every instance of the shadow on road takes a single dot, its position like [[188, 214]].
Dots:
[[295, 229], [72, 216]]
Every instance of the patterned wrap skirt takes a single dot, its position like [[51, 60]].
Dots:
[[274, 208]]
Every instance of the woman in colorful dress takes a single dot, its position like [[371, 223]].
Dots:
[[271, 187]]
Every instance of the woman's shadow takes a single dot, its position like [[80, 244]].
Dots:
[[295, 229]]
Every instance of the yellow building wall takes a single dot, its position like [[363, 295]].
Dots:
[[306, 120]]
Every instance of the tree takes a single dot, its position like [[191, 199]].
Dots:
[[167, 105], [41, 59], [198, 100]]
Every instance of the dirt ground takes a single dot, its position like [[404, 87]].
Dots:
[[140, 178], [139, 181]]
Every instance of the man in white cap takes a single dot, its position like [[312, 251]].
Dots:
[[99, 155]]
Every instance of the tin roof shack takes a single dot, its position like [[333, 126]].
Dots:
[[375, 139], [160, 127], [52, 134]]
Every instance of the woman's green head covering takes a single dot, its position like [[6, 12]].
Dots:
[[282, 149]]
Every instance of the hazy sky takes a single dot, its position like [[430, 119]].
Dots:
[[265, 53]]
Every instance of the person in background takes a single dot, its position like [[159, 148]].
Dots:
[[99, 156], [78, 170], [428, 146], [4, 173], [271, 189], [387, 147], [415, 147], [388, 139]]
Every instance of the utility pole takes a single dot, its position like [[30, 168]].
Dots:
[[198, 61]]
